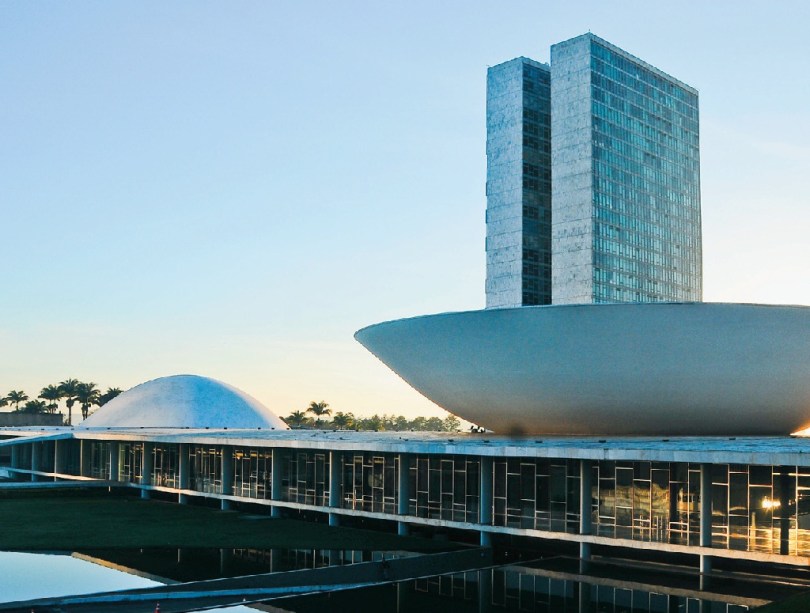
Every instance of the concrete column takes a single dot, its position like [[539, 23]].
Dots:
[[36, 460], [85, 458], [786, 487], [183, 469], [275, 480], [585, 523], [147, 466], [59, 456], [227, 476], [485, 501], [705, 517], [335, 482], [114, 452], [15, 456], [403, 491]]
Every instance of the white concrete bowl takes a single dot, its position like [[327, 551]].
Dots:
[[613, 369]]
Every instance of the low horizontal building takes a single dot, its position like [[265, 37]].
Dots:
[[744, 498], [713, 497]]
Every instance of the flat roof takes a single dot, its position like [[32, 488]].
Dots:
[[775, 450], [633, 58]]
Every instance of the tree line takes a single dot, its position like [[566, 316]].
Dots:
[[72, 391], [320, 413]]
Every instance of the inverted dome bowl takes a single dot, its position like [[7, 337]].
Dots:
[[614, 369]]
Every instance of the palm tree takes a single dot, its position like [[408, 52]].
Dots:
[[319, 409], [343, 420], [111, 393], [52, 393], [3, 402], [15, 398], [69, 388], [87, 395], [296, 419], [35, 406]]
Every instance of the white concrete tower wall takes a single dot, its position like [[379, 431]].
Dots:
[[504, 246], [571, 173]]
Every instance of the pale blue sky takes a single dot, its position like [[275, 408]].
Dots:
[[232, 189]]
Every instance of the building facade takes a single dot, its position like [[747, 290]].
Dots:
[[593, 180], [518, 246], [741, 498], [625, 179]]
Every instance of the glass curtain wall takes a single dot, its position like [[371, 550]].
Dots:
[[761, 508], [252, 472], [647, 501], [130, 462], [205, 469], [306, 478], [166, 465], [536, 494], [646, 215], [370, 482], [100, 460], [754, 508], [73, 456], [445, 487]]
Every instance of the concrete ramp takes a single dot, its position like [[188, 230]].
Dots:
[[257, 588]]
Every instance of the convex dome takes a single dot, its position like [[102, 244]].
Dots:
[[184, 401]]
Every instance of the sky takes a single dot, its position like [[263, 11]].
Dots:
[[233, 189]]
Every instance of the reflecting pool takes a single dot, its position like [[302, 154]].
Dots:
[[545, 586]]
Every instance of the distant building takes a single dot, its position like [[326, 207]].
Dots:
[[19, 419], [619, 220]]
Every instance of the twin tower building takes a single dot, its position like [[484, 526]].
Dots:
[[593, 180]]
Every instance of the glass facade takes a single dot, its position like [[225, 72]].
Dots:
[[100, 455], [646, 183], [306, 478], [536, 494], [369, 482], [205, 469], [445, 487], [130, 462], [252, 472], [754, 508], [536, 195], [165, 465], [647, 501]]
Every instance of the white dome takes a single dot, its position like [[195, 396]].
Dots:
[[184, 401]]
